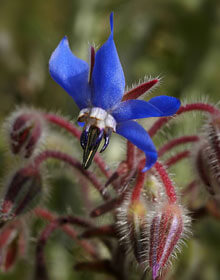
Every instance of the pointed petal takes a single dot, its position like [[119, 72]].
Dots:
[[71, 73], [136, 134], [167, 104], [108, 78], [160, 106]]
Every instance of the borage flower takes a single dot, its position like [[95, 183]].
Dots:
[[98, 91]]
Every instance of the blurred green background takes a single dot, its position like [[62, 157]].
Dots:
[[178, 40]]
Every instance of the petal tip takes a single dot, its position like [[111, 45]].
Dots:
[[144, 169], [178, 103], [65, 38], [70, 72], [112, 22], [151, 158], [64, 41]]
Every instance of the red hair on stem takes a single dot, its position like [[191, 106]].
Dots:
[[177, 141], [130, 155], [176, 158], [50, 217], [169, 188], [139, 182], [40, 268], [187, 108], [75, 164]]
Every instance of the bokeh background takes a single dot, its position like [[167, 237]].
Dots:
[[176, 40]]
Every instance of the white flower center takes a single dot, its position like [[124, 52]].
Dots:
[[98, 117]]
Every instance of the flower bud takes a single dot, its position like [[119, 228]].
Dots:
[[22, 193], [168, 226], [24, 129], [137, 221], [203, 169], [208, 157], [132, 219], [12, 244]]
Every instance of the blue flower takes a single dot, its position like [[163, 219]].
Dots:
[[98, 91]]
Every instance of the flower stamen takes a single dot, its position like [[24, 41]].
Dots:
[[99, 124]]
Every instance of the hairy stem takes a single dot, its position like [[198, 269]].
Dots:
[[39, 159], [130, 155], [139, 182], [102, 231], [177, 157], [169, 188], [109, 205], [187, 108], [47, 215], [40, 267], [177, 141]]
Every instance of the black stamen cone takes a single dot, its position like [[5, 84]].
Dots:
[[84, 137], [107, 138], [91, 146]]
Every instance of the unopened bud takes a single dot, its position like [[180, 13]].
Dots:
[[208, 157], [132, 219], [12, 244], [22, 193], [167, 229], [24, 129], [137, 220]]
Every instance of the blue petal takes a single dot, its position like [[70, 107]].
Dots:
[[167, 104], [81, 124], [139, 137], [107, 78], [159, 106], [71, 73]]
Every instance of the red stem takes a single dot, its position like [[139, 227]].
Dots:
[[101, 266], [75, 164], [187, 108], [175, 142], [76, 132], [47, 215], [139, 182], [189, 188], [174, 159], [40, 269], [170, 190], [102, 231], [109, 205], [87, 202], [130, 155], [64, 124]]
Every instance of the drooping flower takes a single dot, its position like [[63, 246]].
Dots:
[[98, 92]]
